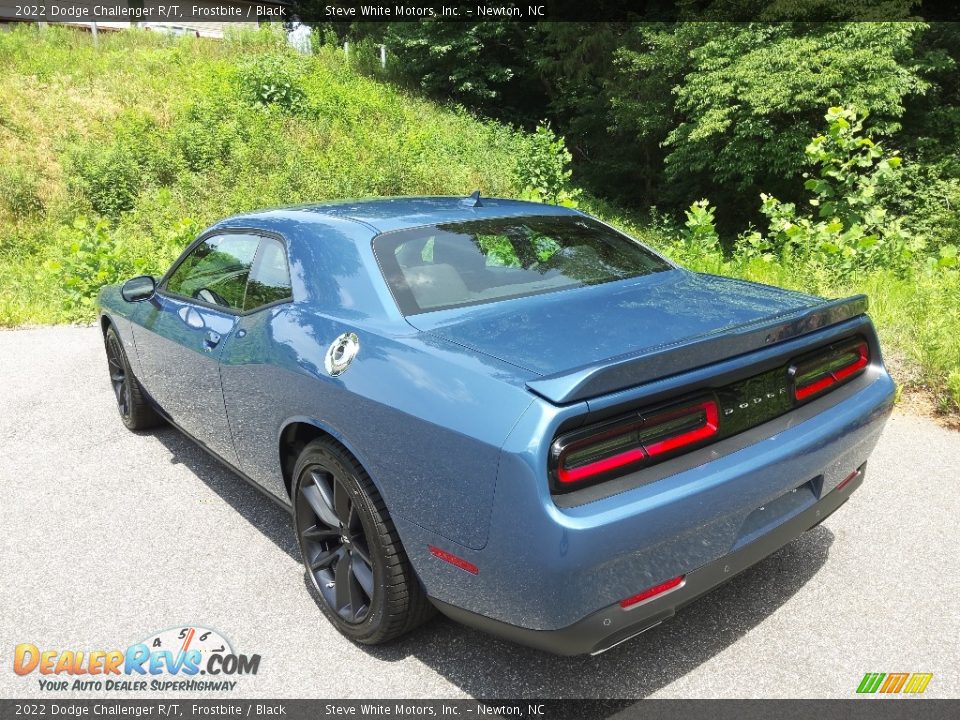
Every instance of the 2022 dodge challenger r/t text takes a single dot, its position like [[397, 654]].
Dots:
[[504, 410]]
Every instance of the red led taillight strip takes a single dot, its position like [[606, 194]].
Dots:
[[573, 475], [710, 427], [641, 451], [803, 392]]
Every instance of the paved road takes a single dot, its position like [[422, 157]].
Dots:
[[106, 536]]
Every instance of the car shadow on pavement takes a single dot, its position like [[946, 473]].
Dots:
[[485, 667], [267, 516]]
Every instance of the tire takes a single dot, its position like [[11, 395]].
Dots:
[[350, 548], [135, 411]]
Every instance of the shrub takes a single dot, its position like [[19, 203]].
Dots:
[[927, 196], [112, 173], [109, 177], [207, 132], [273, 81], [953, 388], [93, 257], [543, 168], [20, 190], [852, 230]]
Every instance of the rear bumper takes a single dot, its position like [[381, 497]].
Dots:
[[613, 625]]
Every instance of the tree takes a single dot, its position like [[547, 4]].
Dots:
[[744, 99]]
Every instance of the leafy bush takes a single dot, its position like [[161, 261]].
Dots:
[[851, 230], [927, 197], [696, 243], [20, 190], [109, 177], [95, 258], [112, 170], [273, 81], [207, 133], [543, 168]]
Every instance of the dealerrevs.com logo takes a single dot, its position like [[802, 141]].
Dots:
[[192, 659]]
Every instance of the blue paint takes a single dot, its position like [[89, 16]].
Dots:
[[438, 409]]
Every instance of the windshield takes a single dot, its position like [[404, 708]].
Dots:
[[456, 264]]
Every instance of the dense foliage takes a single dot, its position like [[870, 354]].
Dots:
[[665, 113]]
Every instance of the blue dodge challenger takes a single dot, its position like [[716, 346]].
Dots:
[[507, 411]]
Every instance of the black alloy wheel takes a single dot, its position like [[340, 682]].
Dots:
[[350, 548], [135, 410], [119, 378], [335, 547]]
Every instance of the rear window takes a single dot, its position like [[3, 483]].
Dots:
[[457, 264]]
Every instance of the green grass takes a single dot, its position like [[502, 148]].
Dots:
[[156, 134], [112, 157]]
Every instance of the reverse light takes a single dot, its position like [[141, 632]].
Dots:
[[817, 375], [650, 593], [641, 439]]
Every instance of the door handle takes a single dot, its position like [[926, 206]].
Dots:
[[211, 340]]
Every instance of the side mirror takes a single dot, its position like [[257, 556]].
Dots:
[[138, 288]]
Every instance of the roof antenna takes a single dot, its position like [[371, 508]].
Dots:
[[473, 200]]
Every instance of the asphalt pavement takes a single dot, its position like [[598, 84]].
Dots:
[[107, 536]]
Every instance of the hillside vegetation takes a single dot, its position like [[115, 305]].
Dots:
[[113, 157]]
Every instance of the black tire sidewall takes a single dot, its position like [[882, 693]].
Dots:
[[128, 419], [329, 459]]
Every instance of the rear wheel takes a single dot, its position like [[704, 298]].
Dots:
[[135, 412], [351, 550]]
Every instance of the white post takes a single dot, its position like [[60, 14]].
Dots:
[[96, 37], [346, 48], [383, 56]]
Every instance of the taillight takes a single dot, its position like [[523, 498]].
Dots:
[[816, 375], [634, 442], [637, 440]]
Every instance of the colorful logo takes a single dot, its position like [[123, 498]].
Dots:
[[168, 660], [892, 683]]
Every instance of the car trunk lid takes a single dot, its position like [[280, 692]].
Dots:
[[599, 339]]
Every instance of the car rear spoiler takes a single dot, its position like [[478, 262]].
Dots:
[[626, 371]]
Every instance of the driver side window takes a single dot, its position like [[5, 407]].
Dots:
[[216, 271]]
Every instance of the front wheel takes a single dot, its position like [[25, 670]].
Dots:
[[351, 550], [135, 412]]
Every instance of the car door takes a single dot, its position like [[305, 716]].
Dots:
[[251, 366], [181, 335]]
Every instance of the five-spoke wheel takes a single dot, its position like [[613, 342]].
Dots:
[[350, 548], [335, 545]]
